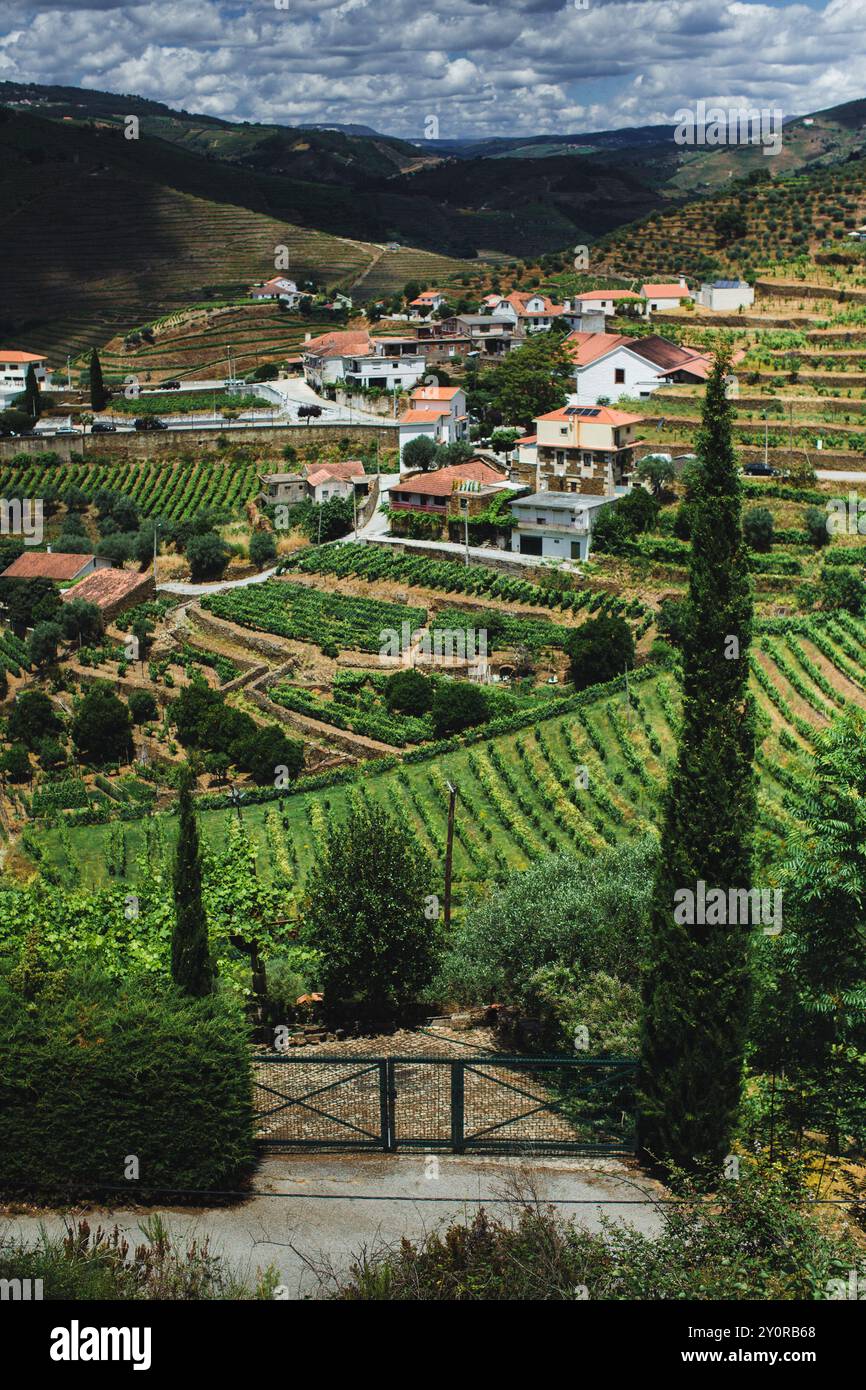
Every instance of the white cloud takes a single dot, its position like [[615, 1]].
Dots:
[[485, 66]]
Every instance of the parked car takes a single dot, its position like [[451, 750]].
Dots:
[[150, 422], [234, 383], [170, 386], [103, 427], [759, 470]]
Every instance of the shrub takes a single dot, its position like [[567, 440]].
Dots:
[[208, 556], [600, 649], [458, 705], [102, 727], [408, 692], [758, 528], [142, 706], [263, 548], [815, 522], [842, 588], [94, 1071]]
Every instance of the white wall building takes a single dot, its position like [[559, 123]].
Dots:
[[279, 287], [555, 525], [606, 367], [13, 372], [669, 295], [726, 295], [603, 301]]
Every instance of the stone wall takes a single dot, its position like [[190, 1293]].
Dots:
[[169, 444]]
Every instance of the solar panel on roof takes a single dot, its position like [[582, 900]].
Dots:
[[581, 410]]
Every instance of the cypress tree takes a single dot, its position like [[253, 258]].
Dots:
[[98, 393], [696, 983], [32, 403], [191, 965]]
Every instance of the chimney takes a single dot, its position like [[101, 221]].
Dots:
[[307, 337], [48, 549]]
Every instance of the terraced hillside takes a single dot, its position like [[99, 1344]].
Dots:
[[173, 490], [139, 228], [519, 796], [744, 227]]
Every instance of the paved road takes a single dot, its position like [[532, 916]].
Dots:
[[195, 590], [326, 1208], [831, 475]]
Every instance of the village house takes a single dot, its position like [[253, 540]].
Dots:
[[13, 372], [112, 591], [428, 301], [610, 365], [448, 493], [530, 312], [279, 287], [582, 449], [670, 295], [726, 295], [318, 482], [55, 565], [428, 422], [555, 525], [353, 357], [450, 398], [604, 301]]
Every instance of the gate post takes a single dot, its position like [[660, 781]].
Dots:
[[387, 1097], [457, 1094]]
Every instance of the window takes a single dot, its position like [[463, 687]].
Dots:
[[541, 521], [530, 545], [563, 429], [619, 376]]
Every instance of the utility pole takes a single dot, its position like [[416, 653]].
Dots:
[[627, 698], [790, 436], [155, 534], [452, 798], [766, 427], [355, 510]]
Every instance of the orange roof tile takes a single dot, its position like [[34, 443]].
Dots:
[[608, 294], [422, 417], [45, 564], [666, 292], [108, 586], [8, 355], [441, 482]]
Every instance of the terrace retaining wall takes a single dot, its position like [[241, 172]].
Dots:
[[169, 444]]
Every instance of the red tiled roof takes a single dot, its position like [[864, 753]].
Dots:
[[349, 468], [435, 393], [602, 415], [518, 299], [584, 348], [8, 355], [441, 482], [423, 417], [607, 294], [107, 587], [666, 291], [333, 473], [349, 342], [44, 564]]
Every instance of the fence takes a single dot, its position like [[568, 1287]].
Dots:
[[468, 1105]]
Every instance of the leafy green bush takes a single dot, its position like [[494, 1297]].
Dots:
[[96, 1072]]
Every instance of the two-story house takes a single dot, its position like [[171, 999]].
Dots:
[[13, 372], [555, 525], [450, 398], [278, 287], [584, 449], [530, 312], [610, 365], [355, 358]]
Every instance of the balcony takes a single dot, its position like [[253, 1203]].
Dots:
[[404, 505]]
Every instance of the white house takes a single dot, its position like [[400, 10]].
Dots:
[[13, 371], [428, 301], [531, 313], [359, 360], [669, 295], [279, 287], [450, 398], [603, 301], [555, 525], [608, 366], [726, 295], [328, 480], [430, 423]]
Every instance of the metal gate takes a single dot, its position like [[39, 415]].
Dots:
[[486, 1104]]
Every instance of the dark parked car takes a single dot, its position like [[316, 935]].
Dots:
[[759, 470], [103, 427], [150, 422], [170, 386]]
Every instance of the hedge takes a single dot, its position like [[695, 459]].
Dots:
[[93, 1073]]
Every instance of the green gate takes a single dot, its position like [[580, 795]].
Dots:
[[488, 1104]]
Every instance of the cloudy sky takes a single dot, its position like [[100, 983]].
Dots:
[[481, 67]]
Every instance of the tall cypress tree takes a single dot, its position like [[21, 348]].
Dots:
[[191, 965], [32, 402], [696, 986], [98, 393]]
